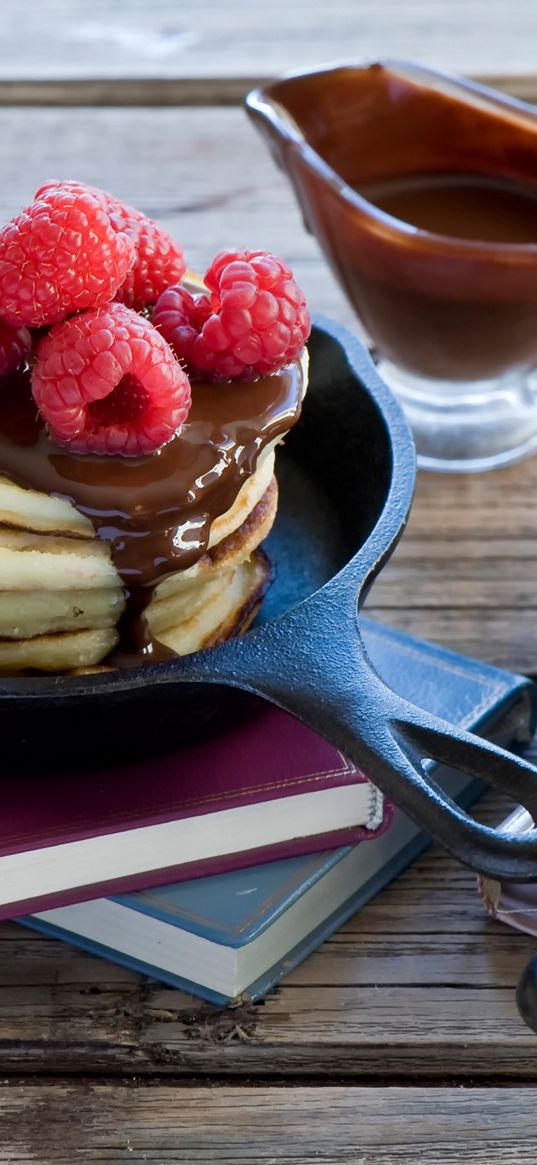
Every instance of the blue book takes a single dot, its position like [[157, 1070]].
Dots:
[[237, 934]]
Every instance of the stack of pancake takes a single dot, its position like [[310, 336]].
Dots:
[[61, 597]]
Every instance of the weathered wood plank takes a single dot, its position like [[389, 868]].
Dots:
[[178, 51], [367, 1126]]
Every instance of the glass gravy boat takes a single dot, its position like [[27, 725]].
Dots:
[[422, 192]]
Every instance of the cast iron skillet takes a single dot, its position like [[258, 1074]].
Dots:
[[347, 481]]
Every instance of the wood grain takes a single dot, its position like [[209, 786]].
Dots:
[[362, 1126]]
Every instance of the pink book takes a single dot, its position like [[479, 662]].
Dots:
[[266, 788]]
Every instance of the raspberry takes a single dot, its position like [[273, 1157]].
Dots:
[[15, 347], [158, 259], [107, 382], [59, 256], [254, 322], [180, 317]]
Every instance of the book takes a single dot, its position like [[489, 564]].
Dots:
[[240, 933], [514, 903], [264, 787]]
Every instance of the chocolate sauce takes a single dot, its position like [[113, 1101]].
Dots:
[[462, 206], [156, 512]]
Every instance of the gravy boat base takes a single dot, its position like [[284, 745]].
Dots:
[[468, 426]]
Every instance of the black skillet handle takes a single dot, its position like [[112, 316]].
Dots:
[[391, 744], [410, 738], [526, 994], [312, 664]]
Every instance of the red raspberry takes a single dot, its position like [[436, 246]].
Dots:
[[15, 347], [158, 259], [180, 317], [254, 322], [59, 256], [107, 382]]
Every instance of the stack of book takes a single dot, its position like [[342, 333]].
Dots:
[[217, 870]]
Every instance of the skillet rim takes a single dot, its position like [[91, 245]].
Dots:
[[360, 568]]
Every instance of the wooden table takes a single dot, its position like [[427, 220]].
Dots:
[[400, 1036]]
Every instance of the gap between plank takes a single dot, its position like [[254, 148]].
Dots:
[[196, 91]]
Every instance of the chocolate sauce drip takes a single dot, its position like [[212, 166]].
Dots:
[[156, 512], [136, 646]]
